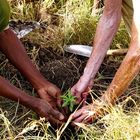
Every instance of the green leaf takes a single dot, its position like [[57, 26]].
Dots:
[[68, 100]]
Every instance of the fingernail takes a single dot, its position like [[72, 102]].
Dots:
[[61, 117]]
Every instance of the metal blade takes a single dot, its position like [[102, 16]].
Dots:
[[83, 50], [21, 29]]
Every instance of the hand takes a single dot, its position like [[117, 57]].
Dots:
[[82, 88], [89, 113], [51, 94], [45, 109]]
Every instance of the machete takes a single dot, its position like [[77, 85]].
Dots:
[[85, 50]]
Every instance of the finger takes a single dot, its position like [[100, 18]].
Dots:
[[84, 98], [53, 91], [57, 115], [59, 102], [91, 118], [65, 110], [77, 114], [78, 97], [84, 95], [80, 118], [73, 91], [54, 121], [42, 94], [88, 120], [84, 103]]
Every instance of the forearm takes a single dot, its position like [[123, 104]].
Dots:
[[9, 91], [106, 30], [128, 70], [11, 46]]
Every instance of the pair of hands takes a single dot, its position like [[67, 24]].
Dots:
[[50, 102]]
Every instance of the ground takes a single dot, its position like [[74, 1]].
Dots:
[[62, 69], [64, 23]]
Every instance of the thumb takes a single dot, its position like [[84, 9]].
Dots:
[[75, 92], [56, 114], [59, 102], [84, 97], [78, 98]]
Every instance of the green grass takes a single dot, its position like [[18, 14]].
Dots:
[[75, 25]]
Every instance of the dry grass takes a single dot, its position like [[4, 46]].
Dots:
[[69, 22]]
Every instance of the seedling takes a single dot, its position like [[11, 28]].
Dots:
[[68, 100]]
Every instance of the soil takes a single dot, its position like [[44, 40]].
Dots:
[[64, 69]]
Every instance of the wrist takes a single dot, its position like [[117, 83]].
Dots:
[[29, 101], [106, 98], [39, 82], [34, 103]]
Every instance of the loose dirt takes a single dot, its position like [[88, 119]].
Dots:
[[62, 70]]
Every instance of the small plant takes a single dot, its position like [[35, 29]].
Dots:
[[68, 100]]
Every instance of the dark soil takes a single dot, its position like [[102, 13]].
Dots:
[[64, 70], [61, 69]]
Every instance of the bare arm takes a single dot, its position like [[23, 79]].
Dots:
[[131, 63], [11, 46], [129, 68], [105, 32], [106, 29], [9, 91], [38, 105], [15, 52]]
